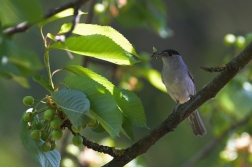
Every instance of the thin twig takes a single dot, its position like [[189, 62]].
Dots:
[[213, 143], [96, 147], [75, 20], [22, 27]]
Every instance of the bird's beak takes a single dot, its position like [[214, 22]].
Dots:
[[156, 54]]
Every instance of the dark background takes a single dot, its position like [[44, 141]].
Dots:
[[198, 31]]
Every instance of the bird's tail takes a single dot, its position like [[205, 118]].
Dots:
[[198, 126]]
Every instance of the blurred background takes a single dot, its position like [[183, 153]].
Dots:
[[205, 33]]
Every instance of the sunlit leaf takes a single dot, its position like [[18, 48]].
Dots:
[[98, 46], [154, 77], [92, 29], [64, 13]]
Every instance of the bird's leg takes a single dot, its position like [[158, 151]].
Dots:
[[191, 97], [176, 107]]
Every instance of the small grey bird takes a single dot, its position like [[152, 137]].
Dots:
[[179, 83]]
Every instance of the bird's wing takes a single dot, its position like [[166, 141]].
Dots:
[[191, 76]]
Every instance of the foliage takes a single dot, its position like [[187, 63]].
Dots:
[[231, 106], [87, 99], [131, 14]]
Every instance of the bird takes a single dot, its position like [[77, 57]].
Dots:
[[179, 84]]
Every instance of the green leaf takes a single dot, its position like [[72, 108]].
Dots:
[[154, 77], [103, 105], [5, 74], [147, 14], [19, 62], [236, 96], [26, 61], [21, 80], [43, 81], [135, 106], [74, 104], [10, 71], [160, 5], [137, 117], [46, 159], [9, 68], [92, 29], [98, 46], [64, 13], [13, 11], [127, 128]]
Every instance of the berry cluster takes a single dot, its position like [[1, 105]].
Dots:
[[49, 128]]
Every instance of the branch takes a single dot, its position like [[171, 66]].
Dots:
[[25, 25], [75, 20], [89, 144], [184, 110], [212, 144], [217, 68]]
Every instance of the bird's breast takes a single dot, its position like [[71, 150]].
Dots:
[[179, 85]]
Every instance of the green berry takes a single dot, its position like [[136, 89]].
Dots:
[[57, 134], [77, 140], [29, 127], [39, 125], [74, 129], [46, 146], [49, 114], [53, 145], [45, 135], [56, 123], [93, 123], [28, 100], [28, 117], [35, 134]]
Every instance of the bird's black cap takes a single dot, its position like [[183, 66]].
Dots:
[[170, 52]]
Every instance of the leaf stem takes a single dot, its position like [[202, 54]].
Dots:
[[47, 65], [40, 110], [41, 101]]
